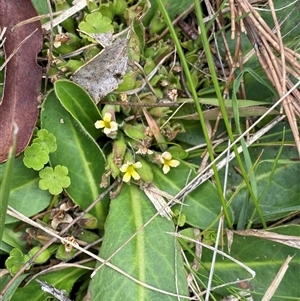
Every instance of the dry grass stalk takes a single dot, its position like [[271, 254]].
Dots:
[[269, 48]]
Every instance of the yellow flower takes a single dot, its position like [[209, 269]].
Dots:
[[106, 123], [129, 170], [166, 160]]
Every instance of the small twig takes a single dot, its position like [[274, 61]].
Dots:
[[33, 19], [49, 51], [277, 280], [16, 50], [48, 288], [265, 42], [78, 5], [58, 294], [61, 266], [2, 32]]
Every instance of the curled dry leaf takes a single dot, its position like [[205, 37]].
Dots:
[[23, 75], [102, 74]]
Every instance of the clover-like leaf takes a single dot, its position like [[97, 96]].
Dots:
[[15, 261], [54, 180], [46, 140], [35, 156], [96, 23]]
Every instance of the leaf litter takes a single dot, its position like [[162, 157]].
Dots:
[[102, 74]]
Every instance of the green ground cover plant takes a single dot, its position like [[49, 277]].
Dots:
[[164, 160]]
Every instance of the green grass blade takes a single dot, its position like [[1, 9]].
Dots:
[[5, 185], [251, 184], [270, 180], [196, 102]]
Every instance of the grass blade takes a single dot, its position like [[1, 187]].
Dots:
[[5, 185]]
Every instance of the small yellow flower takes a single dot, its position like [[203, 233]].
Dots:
[[129, 170], [106, 123], [167, 161]]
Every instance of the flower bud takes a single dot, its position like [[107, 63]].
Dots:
[[62, 254], [119, 149], [88, 221], [87, 236], [42, 258]]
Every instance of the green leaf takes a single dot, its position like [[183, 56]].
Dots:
[[174, 9], [145, 171], [5, 183], [46, 140], [54, 180], [4, 280], [25, 195], [135, 132], [76, 150], [35, 156], [201, 206], [179, 218], [63, 279], [96, 23], [11, 238], [41, 7], [265, 257], [42, 258], [152, 256], [15, 261], [274, 190], [120, 7], [79, 104]]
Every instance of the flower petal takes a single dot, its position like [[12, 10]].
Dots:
[[113, 126], [166, 156], [124, 167], [107, 131], [99, 124], [107, 117], [137, 165], [126, 177], [166, 168], [135, 175], [174, 163]]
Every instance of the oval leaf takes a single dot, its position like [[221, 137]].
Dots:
[[76, 150], [261, 254], [274, 189], [79, 104], [201, 206], [25, 195], [151, 257]]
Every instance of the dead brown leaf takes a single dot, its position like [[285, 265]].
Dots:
[[22, 74]]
